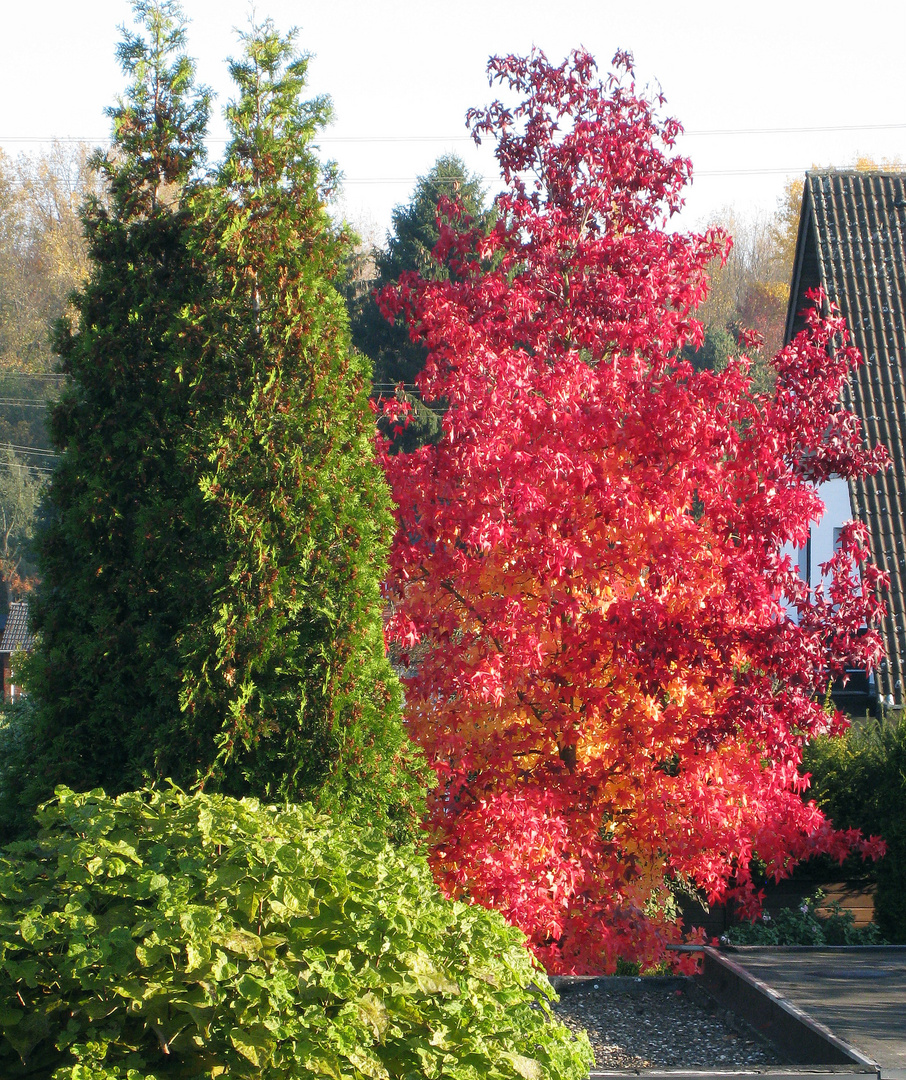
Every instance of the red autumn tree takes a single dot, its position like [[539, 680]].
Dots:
[[616, 667]]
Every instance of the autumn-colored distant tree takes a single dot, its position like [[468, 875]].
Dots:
[[784, 226], [43, 254], [20, 490], [747, 292], [43, 257], [750, 290], [617, 668]]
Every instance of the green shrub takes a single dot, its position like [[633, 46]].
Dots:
[[20, 777], [859, 781], [805, 925], [163, 935]]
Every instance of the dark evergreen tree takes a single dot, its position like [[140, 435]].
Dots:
[[288, 677], [717, 347], [122, 572], [395, 356], [217, 529]]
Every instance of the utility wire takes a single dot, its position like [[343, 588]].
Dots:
[[30, 450], [42, 470], [702, 133], [26, 468], [489, 178]]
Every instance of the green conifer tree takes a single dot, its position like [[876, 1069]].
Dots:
[[121, 571], [216, 533], [288, 677], [395, 356]]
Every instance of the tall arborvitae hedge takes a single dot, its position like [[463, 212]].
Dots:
[[122, 572], [216, 531], [287, 676]]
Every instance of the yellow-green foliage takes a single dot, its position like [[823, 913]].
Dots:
[[162, 935]]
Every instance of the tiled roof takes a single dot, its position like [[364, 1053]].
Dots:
[[852, 241], [15, 633]]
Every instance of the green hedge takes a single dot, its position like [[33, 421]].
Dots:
[[859, 781], [164, 935], [806, 925]]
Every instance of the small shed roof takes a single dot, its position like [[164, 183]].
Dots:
[[16, 634], [852, 243]]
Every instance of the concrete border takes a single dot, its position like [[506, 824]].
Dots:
[[793, 1031], [815, 1052], [826, 1073]]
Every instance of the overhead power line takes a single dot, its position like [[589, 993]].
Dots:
[[810, 129], [41, 470], [359, 181], [784, 170], [12, 372], [696, 133], [36, 450]]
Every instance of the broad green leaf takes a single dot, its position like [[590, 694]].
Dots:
[[371, 985], [255, 1044], [525, 1066], [368, 1065], [241, 942]]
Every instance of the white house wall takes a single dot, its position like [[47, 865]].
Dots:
[[824, 532], [838, 510]]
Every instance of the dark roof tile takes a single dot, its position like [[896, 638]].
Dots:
[[852, 242], [16, 634]]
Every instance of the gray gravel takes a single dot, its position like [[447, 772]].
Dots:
[[661, 1024]]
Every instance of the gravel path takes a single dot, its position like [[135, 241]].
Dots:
[[666, 1024]]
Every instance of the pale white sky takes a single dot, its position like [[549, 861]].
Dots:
[[402, 74]]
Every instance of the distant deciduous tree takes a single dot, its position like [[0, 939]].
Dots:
[[750, 289], [748, 292], [20, 490], [43, 257]]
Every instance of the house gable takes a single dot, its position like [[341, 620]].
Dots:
[[852, 243]]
